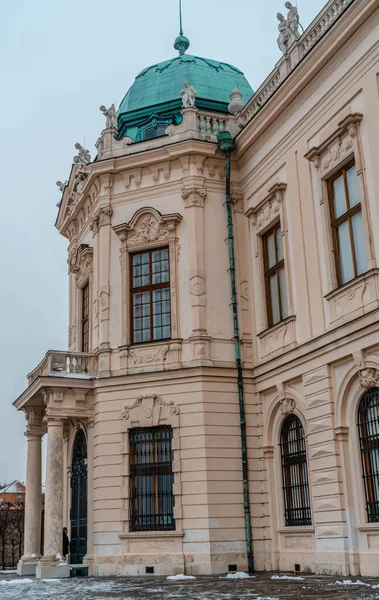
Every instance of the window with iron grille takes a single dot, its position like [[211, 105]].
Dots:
[[275, 279], [151, 479], [297, 508], [150, 288], [368, 427], [347, 225], [85, 318]]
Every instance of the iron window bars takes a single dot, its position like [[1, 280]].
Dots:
[[151, 479], [368, 427], [297, 508]]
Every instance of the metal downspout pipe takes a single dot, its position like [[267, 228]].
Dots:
[[225, 145]]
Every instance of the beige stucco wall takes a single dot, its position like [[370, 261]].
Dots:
[[314, 364]]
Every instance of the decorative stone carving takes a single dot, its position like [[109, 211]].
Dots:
[[287, 406], [101, 217], [147, 227], [110, 116], [236, 103], [33, 416], [359, 360], [368, 378], [337, 147], [83, 157], [62, 185], [269, 208], [237, 201], [134, 174], [84, 266], [197, 285], [150, 410], [155, 355], [194, 197], [188, 94]]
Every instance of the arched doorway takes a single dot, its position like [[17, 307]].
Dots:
[[78, 514]]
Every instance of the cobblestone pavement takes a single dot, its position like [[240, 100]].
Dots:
[[262, 587]]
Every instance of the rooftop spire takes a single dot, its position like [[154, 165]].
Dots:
[[182, 43]]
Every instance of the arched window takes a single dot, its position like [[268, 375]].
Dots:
[[368, 427], [297, 509]]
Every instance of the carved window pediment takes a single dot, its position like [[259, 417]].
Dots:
[[148, 227], [84, 265], [268, 209], [150, 410], [338, 147]]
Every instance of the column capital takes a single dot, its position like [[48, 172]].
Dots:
[[194, 196], [34, 423]]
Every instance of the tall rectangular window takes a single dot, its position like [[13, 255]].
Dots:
[[347, 225], [275, 278], [85, 318], [151, 479], [150, 289]]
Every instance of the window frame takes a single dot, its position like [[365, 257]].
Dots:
[[336, 222], [269, 271], [152, 470], [369, 476], [302, 486], [149, 288]]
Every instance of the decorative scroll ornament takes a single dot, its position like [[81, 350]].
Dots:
[[148, 229], [287, 405], [368, 378], [194, 197], [148, 401]]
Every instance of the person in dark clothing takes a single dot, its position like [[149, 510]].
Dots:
[[66, 543]]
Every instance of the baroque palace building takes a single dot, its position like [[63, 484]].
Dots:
[[217, 408]]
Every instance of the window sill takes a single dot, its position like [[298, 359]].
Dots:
[[277, 339], [297, 529], [368, 527], [277, 326], [354, 298], [148, 534], [346, 286]]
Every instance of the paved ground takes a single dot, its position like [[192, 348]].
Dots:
[[262, 587]]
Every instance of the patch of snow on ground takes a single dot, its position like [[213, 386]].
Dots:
[[288, 577], [238, 575], [15, 581], [180, 577], [349, 582]]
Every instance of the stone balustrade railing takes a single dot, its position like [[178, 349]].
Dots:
[[208, 125], [60, 363], [299, 49]]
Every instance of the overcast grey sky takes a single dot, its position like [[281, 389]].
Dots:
[[59, 61]]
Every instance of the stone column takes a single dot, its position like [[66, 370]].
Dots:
[[32, 528], [88, 559], [53, 502]]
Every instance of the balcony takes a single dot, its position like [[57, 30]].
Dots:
[[58, 363]]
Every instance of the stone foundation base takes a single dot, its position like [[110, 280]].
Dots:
[[52, 572], [26, 568]]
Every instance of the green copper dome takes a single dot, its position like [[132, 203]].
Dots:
[[155, 93]]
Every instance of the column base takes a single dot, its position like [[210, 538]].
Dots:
[[26, 568], [44, 571]]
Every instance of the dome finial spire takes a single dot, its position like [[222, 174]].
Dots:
[[182, 43]]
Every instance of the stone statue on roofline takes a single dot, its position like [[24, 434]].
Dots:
[[288, 28], [188, 94], [110, 115], [62, 185], [83, 158]]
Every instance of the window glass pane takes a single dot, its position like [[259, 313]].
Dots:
[[274, 298], [345, 252], [339, 197], [283, 293], [353, 186], [279, 246], [270, 245], [359, 243]]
